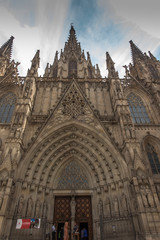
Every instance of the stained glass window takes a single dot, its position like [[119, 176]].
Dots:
[[7, 105], [153, 158], [73, 177], [137, 109]]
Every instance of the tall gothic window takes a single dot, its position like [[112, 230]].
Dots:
[[72, 68], [153, 158], [7, 105], [137, 109], [90, 75]]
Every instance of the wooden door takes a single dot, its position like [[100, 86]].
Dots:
[[83, 213]]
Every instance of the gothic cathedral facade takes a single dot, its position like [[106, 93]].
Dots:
[[80, 148]]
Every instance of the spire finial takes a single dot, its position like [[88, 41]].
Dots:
[[6, 48], [136, 52], [33, 71], [110, 66]]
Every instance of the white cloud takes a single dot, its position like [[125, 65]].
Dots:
[[143, 13], [43, 34], [134, 20]]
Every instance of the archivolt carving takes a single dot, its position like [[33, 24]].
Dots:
[[48, 176], [87, 145], [95, 156]]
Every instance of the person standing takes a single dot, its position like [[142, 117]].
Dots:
[[84, 234], [66, 235], [75, 232], [53, 232]]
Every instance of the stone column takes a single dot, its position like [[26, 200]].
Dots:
[[100, 208], [73, 210]]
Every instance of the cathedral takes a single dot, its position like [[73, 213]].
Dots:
[[77, 147]]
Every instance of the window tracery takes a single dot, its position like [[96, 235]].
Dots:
[[73, 177], [153, 158], [72, 68], [137, 109], [7, 105]]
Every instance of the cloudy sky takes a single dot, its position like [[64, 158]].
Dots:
[[101, 25]]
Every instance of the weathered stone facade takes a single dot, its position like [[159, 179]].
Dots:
[[85, 143]]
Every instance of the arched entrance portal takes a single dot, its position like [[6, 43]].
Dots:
[[75, 207]]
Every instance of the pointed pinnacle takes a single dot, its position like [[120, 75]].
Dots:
[[152, 56], [6, 48], [36, 57], [56, 57], [136, 52], [109, 59]]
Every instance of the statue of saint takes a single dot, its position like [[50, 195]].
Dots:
[[29, 207], [38, 206], [73, 207], [124, 204], [107, 208], [150, 197], [116, 207], [144, 197], [20, 205]]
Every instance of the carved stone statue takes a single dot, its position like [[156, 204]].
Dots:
[[124, 204], [118, 89], [38, 207], [107, 208], [73, 207], [45, 207], [20, 205], [128, 132], [116, 207], [29, 207], [126, 71], [144, 197], [100, 207], [150, 197]]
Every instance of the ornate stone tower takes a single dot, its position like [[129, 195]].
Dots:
[[75, 146]]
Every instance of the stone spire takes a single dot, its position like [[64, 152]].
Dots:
[[55, 58], [72, 44], [8, 68], [47, 70], [54, 67], [136, 53], [6, 49], [112, 73], [33, 71]]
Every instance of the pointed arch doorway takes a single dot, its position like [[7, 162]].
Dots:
[[73, 200], [83, 213]]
